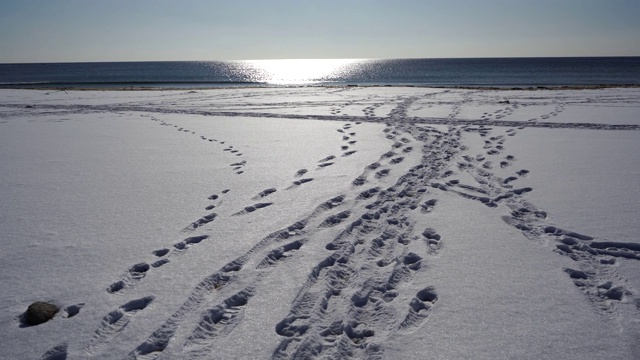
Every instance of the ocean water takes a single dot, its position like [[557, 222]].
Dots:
[[483, 72]]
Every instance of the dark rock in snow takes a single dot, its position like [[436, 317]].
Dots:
[[39, 312]]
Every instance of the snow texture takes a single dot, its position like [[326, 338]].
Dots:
[[320, 222]]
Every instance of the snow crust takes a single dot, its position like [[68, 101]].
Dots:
[[320, 222]]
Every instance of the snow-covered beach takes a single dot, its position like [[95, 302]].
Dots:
[[321, 222]]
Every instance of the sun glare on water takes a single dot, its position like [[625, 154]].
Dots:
[[296, 71]]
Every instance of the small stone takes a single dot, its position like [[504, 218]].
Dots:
[[40, 312]]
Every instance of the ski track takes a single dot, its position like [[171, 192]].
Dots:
[[352, 300]]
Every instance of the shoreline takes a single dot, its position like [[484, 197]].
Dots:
[[467, 87]]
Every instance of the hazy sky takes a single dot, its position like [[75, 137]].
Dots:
[[139, 30]]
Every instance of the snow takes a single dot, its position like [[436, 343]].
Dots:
[[238, 223]]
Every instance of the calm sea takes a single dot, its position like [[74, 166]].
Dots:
[[495, 72]]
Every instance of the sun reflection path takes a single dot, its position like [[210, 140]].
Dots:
[[297, 71]]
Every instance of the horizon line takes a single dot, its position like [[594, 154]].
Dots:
[[352, 59]]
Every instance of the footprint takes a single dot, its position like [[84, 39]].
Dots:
[[576, 274], [300, 172], [382, 173], [58, 352], [357, 332], [419, 308], [72, 310], [330, 157], [336, 219], [412, 261], [432, 239], [221, 319], [330, 204], [366, 195], [115, 322], [522, 190], [202, 221], [188, 242], [359, 181], [264, 193], [299, 182], [349, 153], [280, 253], [397, 160], [324, 165], [373, 166], [135, 274], [428, 205], [161, 252], [159, 263], [252, 208], [388, 154]]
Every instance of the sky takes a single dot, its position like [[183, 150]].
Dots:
[[159, 30]]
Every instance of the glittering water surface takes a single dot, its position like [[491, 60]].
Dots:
[[304, 71], [436, 72]]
